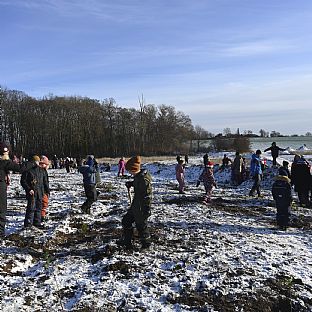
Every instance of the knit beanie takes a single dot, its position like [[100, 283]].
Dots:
[[36, 158], [134, 164], [3, 148]]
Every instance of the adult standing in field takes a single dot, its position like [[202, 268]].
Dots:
[[7, 165], [237, 169], [35, 183], [186, 159], [301, 179], [274, 152], [140, 208], [205, 159], [256, 173]]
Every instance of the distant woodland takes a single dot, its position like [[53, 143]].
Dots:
[[76, 126]]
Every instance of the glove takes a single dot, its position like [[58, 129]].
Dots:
[[197, 184]]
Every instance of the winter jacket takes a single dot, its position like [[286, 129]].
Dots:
[[207, 178], [237, 164], [274, 150], [180, 171], [255, 165], [35, 179], [300, 176], [89, 174], [281, 191], [141, 203]]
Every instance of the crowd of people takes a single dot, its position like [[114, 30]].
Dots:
[[298, 177], [35, 182]]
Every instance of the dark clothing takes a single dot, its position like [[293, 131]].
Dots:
[[301, 178], [284, 172], [89, 184], [5, 167], [281, 191], [205, 160], [256, 186], [36, 180], [274, 152], [140, 208], [186, 159]]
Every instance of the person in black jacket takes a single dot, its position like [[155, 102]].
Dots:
[[301, 179], [281, 191], [7, 165], [35, 184], [274, 152]]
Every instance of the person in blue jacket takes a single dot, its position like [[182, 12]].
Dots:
[[256, 173], [89, 171]]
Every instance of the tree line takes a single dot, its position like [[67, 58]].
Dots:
[[75, 126]]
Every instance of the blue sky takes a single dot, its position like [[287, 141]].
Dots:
[[226, 63]]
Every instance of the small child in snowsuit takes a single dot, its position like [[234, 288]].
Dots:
[[209, 181], [140, 208], [89, 171], [44, 164], [180, 173], [281, 191], [121, 166]]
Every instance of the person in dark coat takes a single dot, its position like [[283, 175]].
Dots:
[[284, 170], [301, 179], [206, 159], [140, 208], [35, 184], [89, 171], [237, 169], [186, 159], [281, 191], [7, 165], [274, 152]]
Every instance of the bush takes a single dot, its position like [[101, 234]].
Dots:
[[240, 144]]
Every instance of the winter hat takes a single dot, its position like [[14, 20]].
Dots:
[[282, 172], [3, 148], [44, 160], [210, 164], [90, 161], [36, 158], [134, 164]]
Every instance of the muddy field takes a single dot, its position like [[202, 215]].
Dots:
[[228, 256]]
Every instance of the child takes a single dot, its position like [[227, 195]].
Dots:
[[44, 164], [180, 173], [121, 166], [89, 183], [35, 184], [209, 181], [281, 191], [284, 170], [140, 208]]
